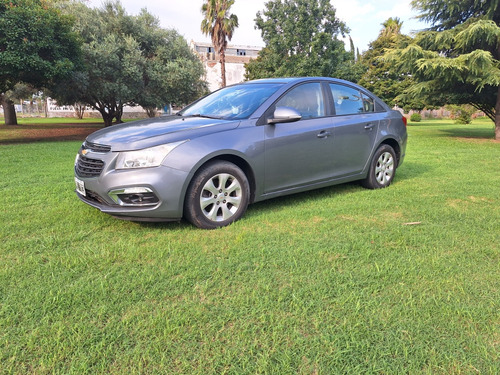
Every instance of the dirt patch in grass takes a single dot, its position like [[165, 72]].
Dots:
[[10, 134]]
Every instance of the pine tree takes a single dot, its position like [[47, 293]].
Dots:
[[456, 61]]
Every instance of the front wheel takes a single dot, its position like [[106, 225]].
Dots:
[[217, 196], [382, 168]]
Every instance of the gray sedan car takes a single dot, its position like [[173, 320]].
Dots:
[[241, 144]]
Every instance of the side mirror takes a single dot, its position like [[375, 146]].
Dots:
[[284, 114]]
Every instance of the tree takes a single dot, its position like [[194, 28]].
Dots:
[[129, 60], [37, 47], [220, 25], [172, 73], [447, 14], [392, 28], [383, 77], [301, 39], [456, 61]]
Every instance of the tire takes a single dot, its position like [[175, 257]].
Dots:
[[382, 168], [217, 196]]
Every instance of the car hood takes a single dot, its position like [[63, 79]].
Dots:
[[159, 130]]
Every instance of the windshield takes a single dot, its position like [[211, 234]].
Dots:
[[233, 102]]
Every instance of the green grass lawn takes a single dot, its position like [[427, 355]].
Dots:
[[341, 280]]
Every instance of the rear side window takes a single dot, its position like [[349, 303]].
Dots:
[[349, 101], [368, 103], [307, 99]]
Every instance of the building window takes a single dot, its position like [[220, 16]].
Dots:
[[241, 52]]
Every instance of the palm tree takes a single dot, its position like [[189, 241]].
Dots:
[[220, 25], [392, 26]]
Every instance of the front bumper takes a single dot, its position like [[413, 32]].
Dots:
[[148, 194]]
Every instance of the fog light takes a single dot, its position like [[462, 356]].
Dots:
[[134, 196]]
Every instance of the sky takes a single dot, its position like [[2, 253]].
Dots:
[[363, 17]]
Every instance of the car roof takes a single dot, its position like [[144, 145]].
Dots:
[[272, 80], [288, 80]]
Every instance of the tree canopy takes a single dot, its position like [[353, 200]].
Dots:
[[130, 60], [447, 14], [456, 61], [301, 39], [37, 47]]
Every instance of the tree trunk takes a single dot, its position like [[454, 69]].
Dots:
[[151, 111], [107, 117], [79, 109], [497, 116], [107, 113], [46, 107], [9, 111], [118, 115], [223, 67], [118, 110]]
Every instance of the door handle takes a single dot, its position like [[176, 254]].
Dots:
[[324, 134], [369, 127]]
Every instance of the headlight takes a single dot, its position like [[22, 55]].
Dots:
[[146, 158]]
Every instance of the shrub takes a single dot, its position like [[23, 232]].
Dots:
[[416, 117], [462, 114]]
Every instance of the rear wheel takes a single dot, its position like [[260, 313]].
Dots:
[[382, 168], [217, 196]]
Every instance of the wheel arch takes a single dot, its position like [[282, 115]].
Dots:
[[236, 160], [395, 146]]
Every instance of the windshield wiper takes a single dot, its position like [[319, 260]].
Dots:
[[204, 116]]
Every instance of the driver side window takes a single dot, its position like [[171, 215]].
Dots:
[[307, 99]]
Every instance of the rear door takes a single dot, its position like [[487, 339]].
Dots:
[[355, 127]]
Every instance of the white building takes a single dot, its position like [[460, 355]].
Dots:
[[236, 58]]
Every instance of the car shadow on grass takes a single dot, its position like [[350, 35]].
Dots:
[[294, 199], [409, 171], [264, 207]]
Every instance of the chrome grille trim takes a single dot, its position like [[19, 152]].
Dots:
[[86, 167], [95, 147]]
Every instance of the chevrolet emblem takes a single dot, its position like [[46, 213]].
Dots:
[[85, 152]]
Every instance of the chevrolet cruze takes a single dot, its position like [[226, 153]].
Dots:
[[241, 144]]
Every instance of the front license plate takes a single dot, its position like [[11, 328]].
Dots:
[[80, 186]]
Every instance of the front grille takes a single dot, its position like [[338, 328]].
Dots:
[[86, 167], [95, 147]]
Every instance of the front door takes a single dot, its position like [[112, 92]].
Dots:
[[299, 153]]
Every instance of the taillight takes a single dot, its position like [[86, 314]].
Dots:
[[405, 120]]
